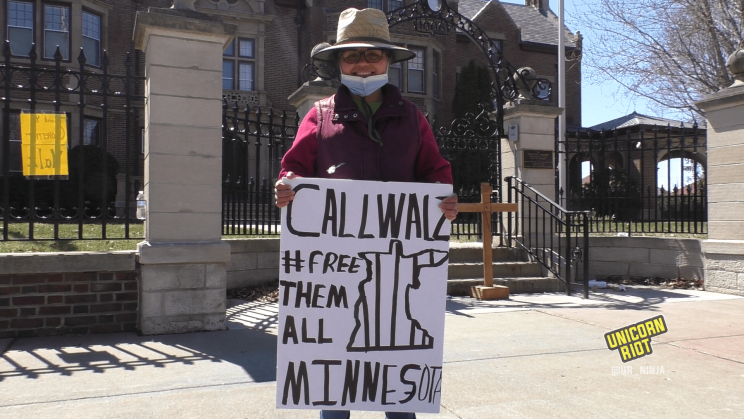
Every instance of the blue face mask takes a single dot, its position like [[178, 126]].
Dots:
[[364, 86]]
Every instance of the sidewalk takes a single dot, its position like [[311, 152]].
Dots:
[[536, 356]]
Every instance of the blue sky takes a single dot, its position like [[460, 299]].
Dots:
[[598, 103]]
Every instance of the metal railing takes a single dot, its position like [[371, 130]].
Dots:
[[108, 105], [556, 238], [637, 180]]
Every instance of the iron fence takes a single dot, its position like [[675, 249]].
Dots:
[[255, 139], [253, 143], [637, 180], [96, 200]]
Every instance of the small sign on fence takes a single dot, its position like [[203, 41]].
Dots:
[[363, 280], [44, 144]]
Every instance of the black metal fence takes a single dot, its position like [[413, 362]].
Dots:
[[556, 238], [102, 112], [637, 180], [254, 141]]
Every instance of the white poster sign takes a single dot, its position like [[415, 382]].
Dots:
[[362, 293]]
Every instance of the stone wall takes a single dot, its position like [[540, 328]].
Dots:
[[724, 266], [646, 257], [252, 262], [61, 293]]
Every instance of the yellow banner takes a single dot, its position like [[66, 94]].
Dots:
[[44, 144]]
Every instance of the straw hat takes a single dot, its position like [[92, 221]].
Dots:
[[366, 28]]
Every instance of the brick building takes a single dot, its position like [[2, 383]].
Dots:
[[264, 64]]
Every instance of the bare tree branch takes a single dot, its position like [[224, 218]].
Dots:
[[670, 52]]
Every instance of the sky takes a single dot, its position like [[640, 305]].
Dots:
[[597, 101]]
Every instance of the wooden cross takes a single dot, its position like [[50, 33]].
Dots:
[[486, 207]]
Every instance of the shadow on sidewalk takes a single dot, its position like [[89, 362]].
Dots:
[[249, 344], [634, 298]]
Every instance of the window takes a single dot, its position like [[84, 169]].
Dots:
[[416, 67], [48, 25], [245, 77], [14, 158], [239, 61], [394, 73], [379, 4], [56, 31], [543, 91], [92, 38], [435, 76], [20, 27], [228, 75], [92, 131], [496, 46]]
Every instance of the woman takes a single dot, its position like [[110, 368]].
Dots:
[[367, 130]]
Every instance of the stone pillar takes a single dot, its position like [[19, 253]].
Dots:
[[535, 121], [183, 259], [724, 249], [532, 157], [305, 97]]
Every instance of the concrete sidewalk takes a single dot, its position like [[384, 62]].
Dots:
[[531, 356]]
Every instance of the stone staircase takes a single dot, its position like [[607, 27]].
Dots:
[[511, 267]]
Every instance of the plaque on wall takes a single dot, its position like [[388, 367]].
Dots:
[[538, 159]]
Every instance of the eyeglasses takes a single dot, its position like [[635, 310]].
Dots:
[[353, 56]]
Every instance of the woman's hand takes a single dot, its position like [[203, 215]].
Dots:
[[284, 193], [449, 207]]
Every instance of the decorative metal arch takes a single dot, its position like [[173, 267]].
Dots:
[[436, 17], [474, 132]]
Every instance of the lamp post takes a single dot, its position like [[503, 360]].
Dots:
[[561, 98]]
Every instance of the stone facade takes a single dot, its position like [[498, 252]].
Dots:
[[724, 249], [252, 262], [645, 257]]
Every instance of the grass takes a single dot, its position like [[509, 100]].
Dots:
[[675, 229], [44, 238], [44, 233]]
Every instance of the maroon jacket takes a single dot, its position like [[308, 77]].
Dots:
[[335, 132]]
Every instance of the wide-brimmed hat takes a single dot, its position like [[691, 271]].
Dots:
[[366, 28]]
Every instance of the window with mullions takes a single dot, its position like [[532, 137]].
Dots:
[[394, 75], [416, 66], [385, 5], [20, 27], [56, 31], [92, 38], [14, 149], [92, 131], [238, 65], [496, 50]]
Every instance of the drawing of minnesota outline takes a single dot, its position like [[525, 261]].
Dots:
[[380, 301]]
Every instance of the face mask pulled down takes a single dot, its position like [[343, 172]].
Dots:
[[364, 86]]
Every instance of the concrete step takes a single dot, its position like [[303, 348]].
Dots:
[[520, 285], [473, 252], [500, 270]]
